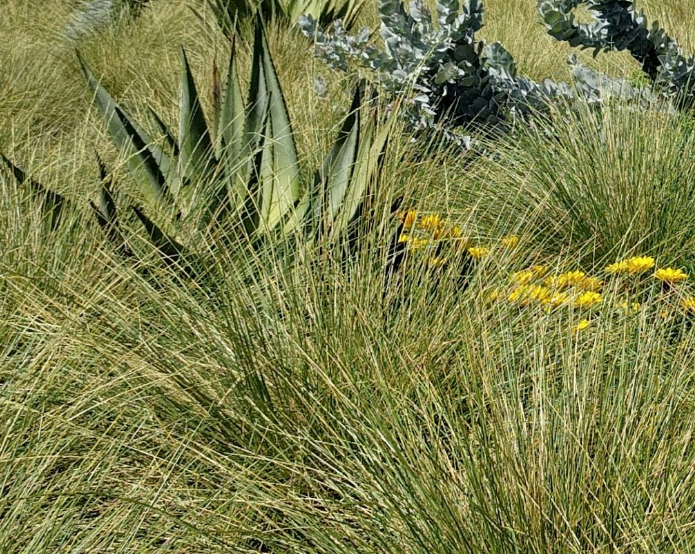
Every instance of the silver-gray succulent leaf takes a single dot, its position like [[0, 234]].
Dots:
[[618, 26]]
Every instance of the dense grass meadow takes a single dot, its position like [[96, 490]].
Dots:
[[524, 384]]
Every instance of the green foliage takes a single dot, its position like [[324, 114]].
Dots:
[[230, 14], [240, 176], [93, 14], [306, 407]]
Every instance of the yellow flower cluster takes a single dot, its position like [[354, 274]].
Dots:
[[670, 275], [432, 223], [588, 299], [634, 265], [479, 252], [528, 294], [436, 228], [641, 264], [424, 229], [554, 291], [577, 279], [534, 285]]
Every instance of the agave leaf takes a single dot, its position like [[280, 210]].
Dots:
[[231, 115], [257, 98], [216, 109], [281, 186], [52, 203], [107, 215], [266, 176], [166, 132], [252, 215], [171, 252], [332, 180], [147, 156], [286, 183], [196, 147], [127, 135], [367, 167]]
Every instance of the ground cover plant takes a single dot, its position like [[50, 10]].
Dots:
[[496, 354]]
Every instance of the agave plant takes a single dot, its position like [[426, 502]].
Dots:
[[239, 173], [231, 13]]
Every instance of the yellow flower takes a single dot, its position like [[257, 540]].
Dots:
[[634, 265], [640, 264], [417, 243], [493, 294], [564, 280], [478, 252], [510, 241], [665, 314], [523, 277], [431, 223], [434, 261], [670, 275], [539, 270], [688, 304], [558, 299], [526, 294], [539, 293], [583, 324], [454, 232], [629, 309], [408, 219], [590, 283], [587, 299], [413, 242], [517, 293], [618, 267]]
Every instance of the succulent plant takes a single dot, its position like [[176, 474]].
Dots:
[[445, 74], [232, 13], [617, 26], [239, 175], [50, 202], [435, 63]]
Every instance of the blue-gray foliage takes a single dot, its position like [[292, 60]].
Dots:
[[618, 26], [435, 64]]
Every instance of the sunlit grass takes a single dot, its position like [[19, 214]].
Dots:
[[523, 384]]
